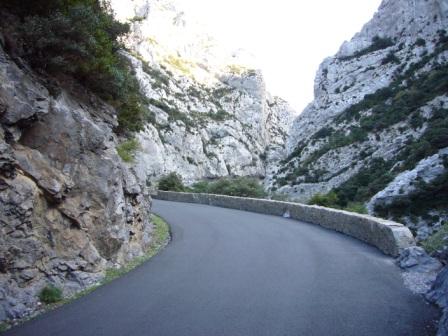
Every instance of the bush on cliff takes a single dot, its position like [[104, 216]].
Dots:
[[171, 182], [81, 39], [127, 150]]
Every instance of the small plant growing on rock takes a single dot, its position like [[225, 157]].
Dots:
[[127, 150], [50, 294]]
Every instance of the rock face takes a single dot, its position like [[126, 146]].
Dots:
[[439, 295], [379, 116], [404, 186], [211, 113], [420, 270], [69, 207]]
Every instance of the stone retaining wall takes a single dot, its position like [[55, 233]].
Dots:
[[390, 237]]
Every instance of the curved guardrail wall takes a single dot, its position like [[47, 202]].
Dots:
[[390, 237]]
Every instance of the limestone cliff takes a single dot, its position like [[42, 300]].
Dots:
[[69, 207], [379, 116], [212, 115]]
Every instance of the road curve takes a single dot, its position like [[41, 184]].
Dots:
[[229, 273]]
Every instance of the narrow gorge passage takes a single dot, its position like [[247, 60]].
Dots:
[[229, 272]]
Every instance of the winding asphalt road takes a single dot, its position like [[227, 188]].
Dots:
[[230, 273]]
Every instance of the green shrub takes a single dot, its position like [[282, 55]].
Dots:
[[390, 58], [171, 182], [357, 207], [238, 186], [432, 195], [378, 43], [437, 240], [81, 39], [420, 42], [323, 133], [200, 187], [329, 200], [50, 294], [279, 197], [127, 150], [220, 115], [366, 183]]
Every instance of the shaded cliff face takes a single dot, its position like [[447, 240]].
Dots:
[[69, 207], [212, 115], [380, 108]]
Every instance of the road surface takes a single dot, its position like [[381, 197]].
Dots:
[[229, 273]]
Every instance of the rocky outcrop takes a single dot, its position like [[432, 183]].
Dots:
[[420, 270], [439, 295], [69, 207], [412, 183]]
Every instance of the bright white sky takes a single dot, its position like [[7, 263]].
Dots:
[[289, 38]]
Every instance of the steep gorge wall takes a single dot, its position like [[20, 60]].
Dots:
[[69, 207], [211, 113], [380, 110]]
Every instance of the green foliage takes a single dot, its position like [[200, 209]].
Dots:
[[378, 43], [366, 183], [279, 197], [323, 133], [436, 241], [420, 42], [389, 106], [173, 113], [4, 326], [432, 140], [127, 149], [406, 98], [399, 102], [433, 195], [160, 79], [378, 173], [390, 58], [221, 92], [50, 294], [220, 115], [200, 187], [357, 207], [171, 182], [238, 186], [81, 39], [329, 200]]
